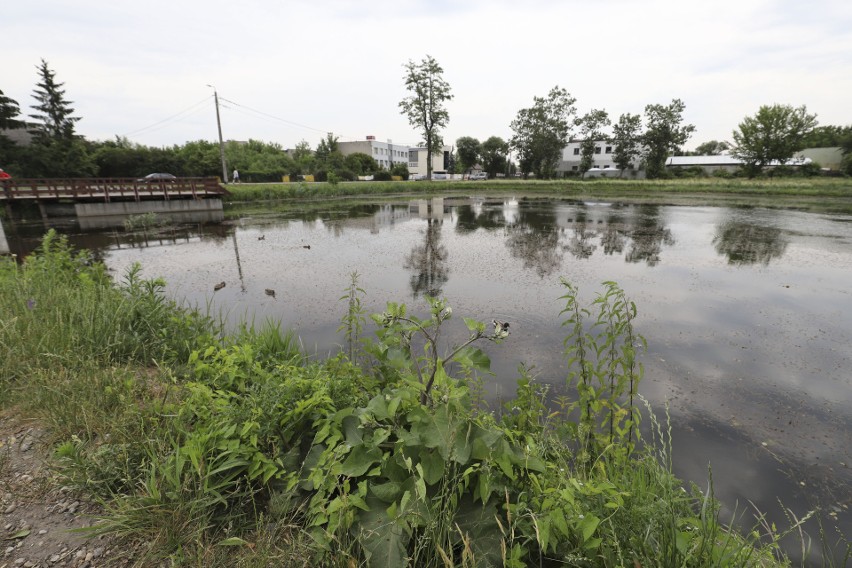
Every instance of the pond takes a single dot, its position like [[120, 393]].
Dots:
[[746, 311]]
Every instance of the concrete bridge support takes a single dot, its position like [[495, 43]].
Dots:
[[102, 215]]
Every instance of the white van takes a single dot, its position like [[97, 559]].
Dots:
[[439, 174]]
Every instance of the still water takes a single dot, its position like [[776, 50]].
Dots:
[[747, 312]]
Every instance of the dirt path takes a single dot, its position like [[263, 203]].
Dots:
[[38, 513]]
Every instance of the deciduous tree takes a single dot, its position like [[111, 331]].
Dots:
[[712, 148], [328, 154], [542, 131], [626, 137], [828, 136], [664, 135], [775, 133], [494, 155], [426, 106], [469, 150], [360, 163], [591, 131]]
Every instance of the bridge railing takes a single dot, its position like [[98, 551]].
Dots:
[[108, 189]]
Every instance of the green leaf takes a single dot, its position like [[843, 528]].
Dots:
[[588, 526], [534, 463], [384, 540], [387, 492], [473, 357], [352, 430], [232, 541], [435, 431], [20, 534], [461, 444], [593, 543], [482, 442], [474, 326], [433, 466], [478, 522], [378, 407], [359, 460]]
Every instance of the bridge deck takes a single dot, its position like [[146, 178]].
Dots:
[[107, 190]]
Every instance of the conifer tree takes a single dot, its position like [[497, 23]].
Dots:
[[54, 113]]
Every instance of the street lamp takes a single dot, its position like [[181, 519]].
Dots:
[[221, 143]]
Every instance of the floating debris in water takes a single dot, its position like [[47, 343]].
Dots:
[[218, 286], [270, 292]]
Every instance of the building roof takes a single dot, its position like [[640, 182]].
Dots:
[[720, 160], [725, 160]]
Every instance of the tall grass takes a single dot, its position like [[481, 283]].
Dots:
[[241, 451], [59, 307], [793, 187]]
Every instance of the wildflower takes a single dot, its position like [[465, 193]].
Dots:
[[501, 329], [31, 304]]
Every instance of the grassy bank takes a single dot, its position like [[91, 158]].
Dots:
[[811, 194], [237, 450]]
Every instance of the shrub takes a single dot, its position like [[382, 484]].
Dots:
[[382, 175], [401, 170], [385, 464], [345, 174]]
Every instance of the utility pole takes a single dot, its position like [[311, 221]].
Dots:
[[221, 143]]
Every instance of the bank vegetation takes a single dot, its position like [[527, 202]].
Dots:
[[235, 448]]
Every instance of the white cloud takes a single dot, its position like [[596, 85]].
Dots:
[[338, 65]]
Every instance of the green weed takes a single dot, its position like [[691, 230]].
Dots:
[[380, 456]]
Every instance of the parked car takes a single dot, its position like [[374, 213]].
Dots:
[[477, 176], [439, 174], [157, 177]]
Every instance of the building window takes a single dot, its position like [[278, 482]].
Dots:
[[576, 151], [606, 166], [609, 149], [575, 168], [597, 149]]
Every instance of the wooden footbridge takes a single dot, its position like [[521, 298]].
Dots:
[[107, 190], [87, 198]]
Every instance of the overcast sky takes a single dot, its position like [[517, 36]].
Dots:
[[293, 70]]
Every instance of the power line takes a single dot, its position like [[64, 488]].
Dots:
[[172, 117], [275, 117], [322, 131], [197, 107]]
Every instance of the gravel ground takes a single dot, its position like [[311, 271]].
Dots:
[[38, 515]]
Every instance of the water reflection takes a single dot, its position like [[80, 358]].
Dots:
[[613, 238], [428, 259], [744, 242], [648, 236], [480, 214], [539, 231], [534, 239], [732, 347], [580, 244]]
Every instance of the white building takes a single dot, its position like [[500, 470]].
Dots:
[[724, 162], [603, 160], [387, 154], [417, 160]]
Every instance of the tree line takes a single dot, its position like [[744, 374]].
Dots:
[[57, 150], [540, 133]]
